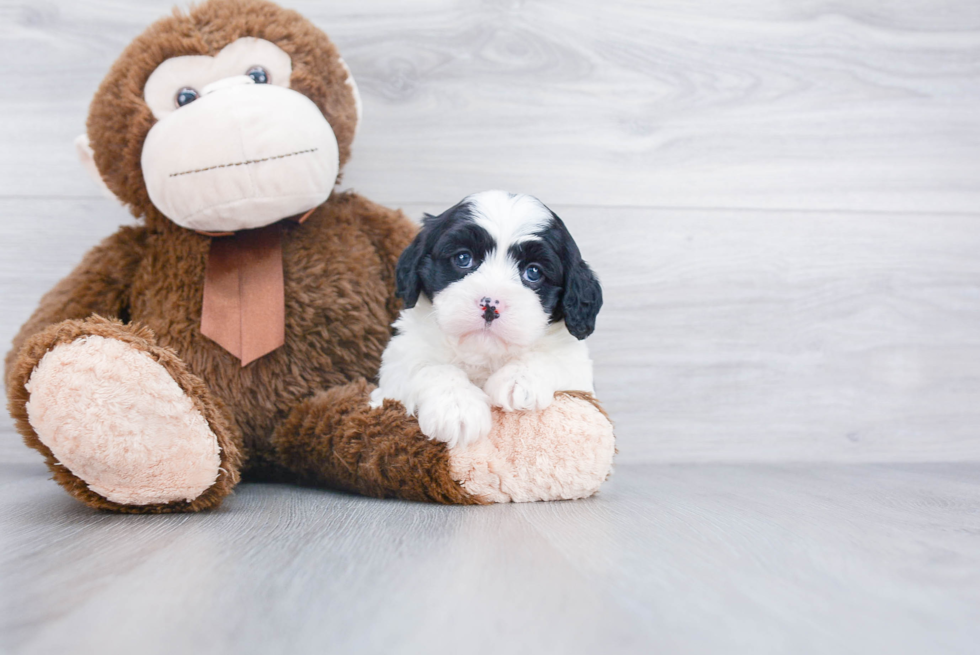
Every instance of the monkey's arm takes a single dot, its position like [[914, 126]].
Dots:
[[98, 285]]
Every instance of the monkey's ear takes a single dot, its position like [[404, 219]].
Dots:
[[87, 156], [408, 278], [357, 95]]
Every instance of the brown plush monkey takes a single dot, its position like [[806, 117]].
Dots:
[[234, 329]]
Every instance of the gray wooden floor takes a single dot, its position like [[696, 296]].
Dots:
[[667, 559], [783, 203]]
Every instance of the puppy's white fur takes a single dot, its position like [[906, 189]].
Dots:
[[447, 365]]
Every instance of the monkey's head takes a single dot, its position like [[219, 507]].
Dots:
[[232, 116]]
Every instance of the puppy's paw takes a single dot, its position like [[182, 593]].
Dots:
[[458, 417], [517, 386]]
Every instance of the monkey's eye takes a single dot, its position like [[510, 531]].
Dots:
[[532, 273], [463, 259], [186, 96], [258, 75]]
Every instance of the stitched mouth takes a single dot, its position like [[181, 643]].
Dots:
[[246, 162]]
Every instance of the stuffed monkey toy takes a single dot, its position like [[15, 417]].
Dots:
[[233, 330]]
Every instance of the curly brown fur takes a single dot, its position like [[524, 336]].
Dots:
[[141, 339], [339, 280], [334, 439], [338, 268]]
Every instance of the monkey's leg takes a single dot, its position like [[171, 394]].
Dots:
[[122, 423], [335, 439]]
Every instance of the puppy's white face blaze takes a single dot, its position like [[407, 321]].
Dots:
[[490, 308], [508, 218]]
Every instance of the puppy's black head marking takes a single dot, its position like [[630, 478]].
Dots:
[[568, 288], [429, 264], [539, 252]]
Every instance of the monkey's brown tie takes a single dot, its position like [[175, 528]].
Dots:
[[244, 308]]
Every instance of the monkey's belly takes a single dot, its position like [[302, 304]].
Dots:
[[328, 345]]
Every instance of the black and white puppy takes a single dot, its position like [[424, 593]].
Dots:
[[497, 303]]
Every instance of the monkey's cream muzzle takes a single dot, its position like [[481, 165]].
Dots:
[[231, 162], [241, 156]]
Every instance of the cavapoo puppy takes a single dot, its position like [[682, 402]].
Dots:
[[497, 303]]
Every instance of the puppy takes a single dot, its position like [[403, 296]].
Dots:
[[497, 303]]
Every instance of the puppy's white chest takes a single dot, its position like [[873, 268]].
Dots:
[[479, 367]]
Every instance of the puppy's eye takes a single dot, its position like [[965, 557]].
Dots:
[[463, 259], [186, 96], [258, 75], [532, 273]]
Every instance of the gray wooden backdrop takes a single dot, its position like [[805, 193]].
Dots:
[[781, 198], [783, 201]]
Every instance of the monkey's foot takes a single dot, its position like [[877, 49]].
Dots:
[[129, 428], [562, 452]]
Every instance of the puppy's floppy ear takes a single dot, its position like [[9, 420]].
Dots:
[[582, 294], [582, 299], [408, 282]]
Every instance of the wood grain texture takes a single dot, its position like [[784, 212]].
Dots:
[[816, 105], [678, 559]]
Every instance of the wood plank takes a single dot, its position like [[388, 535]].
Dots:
[[679, 559], [726, 335], [703, 104]]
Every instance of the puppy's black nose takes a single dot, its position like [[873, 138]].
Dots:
[[490, 311]]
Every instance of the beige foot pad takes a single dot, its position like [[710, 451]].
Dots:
[[117, 419], [562, 452]]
